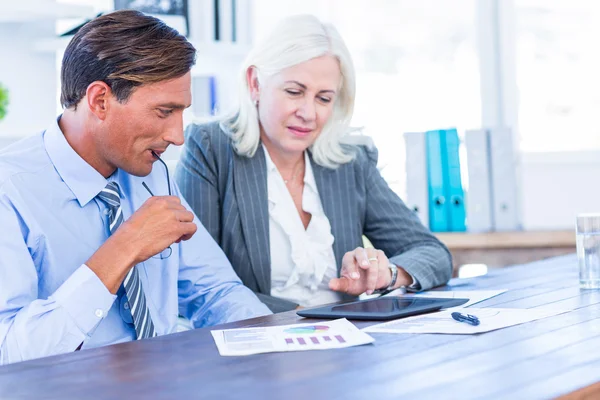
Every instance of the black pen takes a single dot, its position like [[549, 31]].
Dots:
[[466, 318]]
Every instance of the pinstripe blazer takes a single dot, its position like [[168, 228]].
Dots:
[[228, 193]]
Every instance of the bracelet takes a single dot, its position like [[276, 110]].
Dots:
[[394, 270]]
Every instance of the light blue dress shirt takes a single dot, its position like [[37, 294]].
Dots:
[[51, 223]]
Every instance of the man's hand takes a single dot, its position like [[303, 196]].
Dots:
[[159, 222], [365, 270]]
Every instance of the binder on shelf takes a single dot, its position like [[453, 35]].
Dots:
[[480, 216], [204, 96], [202, 20], [454, 193], [243, 22], [417, 193], [226, 20], [438, 215], [504, 180]]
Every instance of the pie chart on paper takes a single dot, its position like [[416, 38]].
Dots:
[[307, 330]]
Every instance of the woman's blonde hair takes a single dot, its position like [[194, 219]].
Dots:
[[295, 40]]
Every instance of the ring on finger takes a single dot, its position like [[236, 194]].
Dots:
[[373, 259]]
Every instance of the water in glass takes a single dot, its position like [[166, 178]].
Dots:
[[588, 254]]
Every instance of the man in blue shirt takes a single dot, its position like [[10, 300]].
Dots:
[[88, 256]]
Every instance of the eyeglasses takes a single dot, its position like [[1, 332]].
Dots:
[[166, 253]]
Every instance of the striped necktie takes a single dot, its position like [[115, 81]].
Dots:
[[144, 327]]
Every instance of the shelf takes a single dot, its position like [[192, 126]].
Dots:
[[204, 50], [35, 10], [508, 240], [51, 45]]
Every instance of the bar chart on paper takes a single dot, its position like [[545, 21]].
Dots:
[[316, 334], [299, 337]]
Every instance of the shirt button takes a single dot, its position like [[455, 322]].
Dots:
[[126, 306], [99, 313], [106, 211]]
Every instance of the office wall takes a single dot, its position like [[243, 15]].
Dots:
[[558, 186], [30, 65], [30, 77]]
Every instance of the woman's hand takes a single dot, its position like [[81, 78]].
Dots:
[[365, 270]]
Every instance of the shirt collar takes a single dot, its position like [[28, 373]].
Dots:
[[309, 177], [81, 178], [270, 164]]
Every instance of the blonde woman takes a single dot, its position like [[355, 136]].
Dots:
[[281, 187]]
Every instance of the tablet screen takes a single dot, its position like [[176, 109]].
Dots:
[[382, 305]]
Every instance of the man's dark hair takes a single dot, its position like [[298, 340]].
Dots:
[[124, 49]]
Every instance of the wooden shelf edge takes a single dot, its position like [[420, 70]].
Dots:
[[507, 240]]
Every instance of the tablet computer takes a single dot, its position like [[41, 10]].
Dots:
[[382, 308]]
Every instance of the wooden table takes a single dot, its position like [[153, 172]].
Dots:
[[508, 240], [501, 249], [541, 359]]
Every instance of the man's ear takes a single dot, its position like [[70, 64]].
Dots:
[[97, 96]]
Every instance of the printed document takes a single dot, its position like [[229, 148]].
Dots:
[[442, 321], [299, 337]]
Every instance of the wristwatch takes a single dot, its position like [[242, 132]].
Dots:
[[390, 287]]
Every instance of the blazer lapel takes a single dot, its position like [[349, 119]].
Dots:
[[250, 182], [336, 190]]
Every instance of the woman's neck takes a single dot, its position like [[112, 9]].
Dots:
[[286, 163]]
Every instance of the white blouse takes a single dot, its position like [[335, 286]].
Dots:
[[302, 260]]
